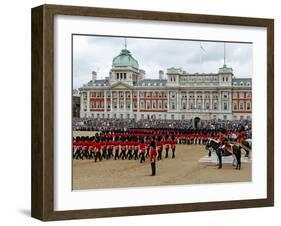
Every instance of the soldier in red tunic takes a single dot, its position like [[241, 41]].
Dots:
[[159, 149], [130, 151], [136, 150], [98, 152], [116, 147], [142, 152], [123, 150], [173, 146], [153, 155], [167, 149]]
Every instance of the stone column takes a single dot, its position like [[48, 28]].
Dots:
[[117, 94], [168, 100], [178, 101], [111, 100], [138, 101], [132, 101], [81, 102], [105, 104], [195, 100], [219, 100], [88, 101], [211, 101], [203, 101], [124, 101], [230, 101]]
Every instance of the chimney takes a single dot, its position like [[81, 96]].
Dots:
[[161, 74], [94, 76]]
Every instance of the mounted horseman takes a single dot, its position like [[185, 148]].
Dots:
[[223, 147]]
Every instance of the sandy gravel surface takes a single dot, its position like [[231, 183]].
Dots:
[[184, 169]]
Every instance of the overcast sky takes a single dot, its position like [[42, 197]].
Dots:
[[96, 53]]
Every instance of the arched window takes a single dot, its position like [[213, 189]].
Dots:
[[225, 106], [234, 106], [215, 106]]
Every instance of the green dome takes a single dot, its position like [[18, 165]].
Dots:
[[125, 59]]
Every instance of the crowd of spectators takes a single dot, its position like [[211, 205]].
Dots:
[[94, 124]]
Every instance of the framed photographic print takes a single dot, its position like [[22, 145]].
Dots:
[[141, 112]]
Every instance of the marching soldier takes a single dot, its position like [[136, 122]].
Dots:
[[103, 148], [147, 149], [173, 147], [136, 150], [159, 149], [116, 156], [142, 152], [92, 150], [98, 152], [123, 151], [167, 149], [153, 155], [130, 151]]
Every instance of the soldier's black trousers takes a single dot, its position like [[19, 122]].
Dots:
[[123, 155], [173, 155], [104, 155], [142, 157], [130, 154], [116, 156], [98, 156], [159, 155], [147, 153], [153, 168], [167, 153], [136, 155]]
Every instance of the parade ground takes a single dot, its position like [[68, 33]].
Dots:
[[184, 169]]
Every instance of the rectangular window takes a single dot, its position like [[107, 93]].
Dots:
[[248, 106], [241, 106]]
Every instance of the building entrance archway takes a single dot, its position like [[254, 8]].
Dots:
[[196, 122]]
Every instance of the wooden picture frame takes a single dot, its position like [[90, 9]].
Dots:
[[43, 109]]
